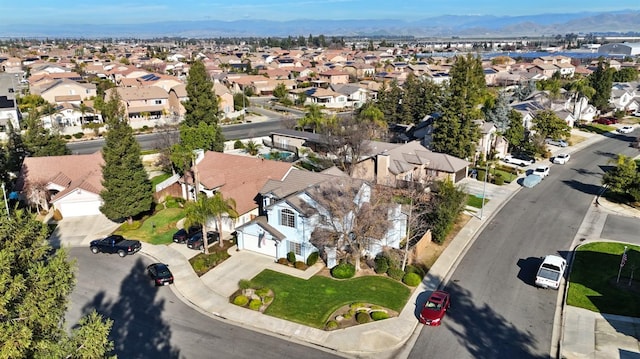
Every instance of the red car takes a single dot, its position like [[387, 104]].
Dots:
[[435, 308]]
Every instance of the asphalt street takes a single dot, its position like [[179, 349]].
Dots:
[[151, 322], [496, 311]]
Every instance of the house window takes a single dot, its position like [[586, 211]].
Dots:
[[288, 218], [295, 248], [158, 102]]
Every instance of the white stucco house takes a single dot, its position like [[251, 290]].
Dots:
[[286, 224]]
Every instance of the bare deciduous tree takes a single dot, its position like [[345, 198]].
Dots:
[[350, 217], [38, 195]]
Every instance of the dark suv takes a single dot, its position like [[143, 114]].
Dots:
[[197, 242], [183, 235]]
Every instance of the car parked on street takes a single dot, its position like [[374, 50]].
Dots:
[[160, 274], [197, 242], [551, 271], [626, 129], [561, 158], [559, 143], [542, 171], [115, 244], [435, 308], [606, 120], [520, 160], [531, 180]]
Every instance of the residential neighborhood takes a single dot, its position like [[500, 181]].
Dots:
[[401, 172]]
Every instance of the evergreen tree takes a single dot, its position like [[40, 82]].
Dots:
[[35, 282], [41, 142], [456, 131], [202, 105], [16, 150], [548, 124], [515, 133], [602, 81], [499, 113], [127, 190]]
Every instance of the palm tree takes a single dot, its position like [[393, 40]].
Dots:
[[252, 147], [198, 212], [222, 206]]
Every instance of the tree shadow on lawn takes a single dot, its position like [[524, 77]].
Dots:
[[138, 328]]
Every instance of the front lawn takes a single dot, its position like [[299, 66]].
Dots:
[[596, 128], [592, 283], [310, 302], [475, 201], [157, 229]]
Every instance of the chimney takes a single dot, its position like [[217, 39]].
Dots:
[[382, 168]]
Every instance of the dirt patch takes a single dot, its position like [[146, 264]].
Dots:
[[434, 250], [575, 139]]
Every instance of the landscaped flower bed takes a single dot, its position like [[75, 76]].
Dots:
[[357, 313], [252, 296]]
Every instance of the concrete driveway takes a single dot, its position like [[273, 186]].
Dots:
[[79, 231]]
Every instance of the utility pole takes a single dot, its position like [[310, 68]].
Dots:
[[406, 245], [6, 204]]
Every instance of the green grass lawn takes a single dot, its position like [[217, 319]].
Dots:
[[597, 128], [157, 179], [475, 201], [310, 302], [157, 229], [592, 283]]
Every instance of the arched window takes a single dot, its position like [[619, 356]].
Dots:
[[288, 218]]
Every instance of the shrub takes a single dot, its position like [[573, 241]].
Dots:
[[262, 292], [415, 269], [244, 284], [356, 305], [283, 261], [312, 259], [363, 317], [67, 137], [238, 145], [379, 314], [411, 279], [291, 257], [267, 299], [241, 300], [395, 273], [498, 179], [199, 264], [343, 271], [78, 135], [331, 325], [382, 264], [300, 265], [348, 315], [255, 304], [145, 128]]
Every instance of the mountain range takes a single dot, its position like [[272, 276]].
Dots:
[[444, 26]]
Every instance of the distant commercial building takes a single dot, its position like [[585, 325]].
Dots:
[[625, 48]]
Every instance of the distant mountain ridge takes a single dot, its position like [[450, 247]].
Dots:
[[437, 26]]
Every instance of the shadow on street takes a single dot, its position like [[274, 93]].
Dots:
[[138, 328]]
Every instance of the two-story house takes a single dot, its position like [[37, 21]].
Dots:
[[143, 102], [287, 224]]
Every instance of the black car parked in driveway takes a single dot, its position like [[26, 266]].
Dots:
[[160, 274], [183, 235], [197, 242]]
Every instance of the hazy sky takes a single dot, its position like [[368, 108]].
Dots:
[[137, 11]]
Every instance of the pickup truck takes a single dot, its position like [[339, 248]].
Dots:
[[115, 244]]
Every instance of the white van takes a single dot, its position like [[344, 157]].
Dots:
[[551, 271]]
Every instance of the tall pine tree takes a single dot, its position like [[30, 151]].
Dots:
[[202, 105], [602, 81], [127, 190], [456, 132], [35, 282]]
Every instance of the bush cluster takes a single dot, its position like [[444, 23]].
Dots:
[[238, 145], [343, 271], [205, 262], [78, 135], [363, 317], [300, 265], [283, 261], [412, 279], [312, 259], [415, 269], [241, 300], [262, 292], [379, 315], [395, 273], [291, 257], [255, 304], [382, 264], [331, 325]]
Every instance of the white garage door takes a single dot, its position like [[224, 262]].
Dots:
[[77, 209], [264, 246]]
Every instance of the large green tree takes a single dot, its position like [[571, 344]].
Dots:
[[623, 178], [456, 131], [602, 82], [515, 133], [35, 282], [40, 141], [547, 124], [127, 190], [202, 103]]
